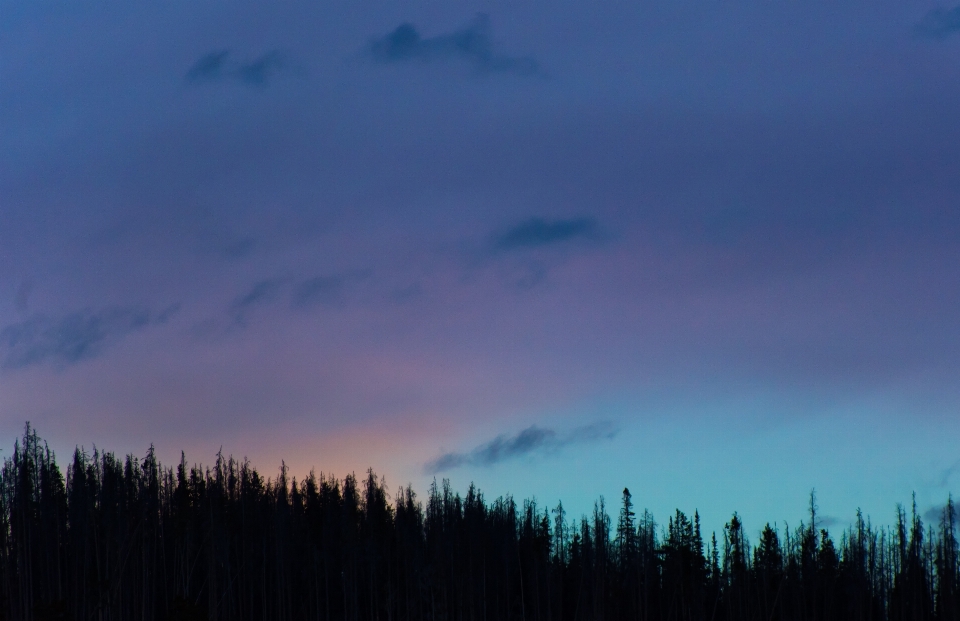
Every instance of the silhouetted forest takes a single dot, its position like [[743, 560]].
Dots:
[[123, 539]]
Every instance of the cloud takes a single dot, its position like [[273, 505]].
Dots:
[[828, 521], [75, 337], [531, 440], [472, 44], [939, 23], [210, 67], [259, 70], [217, 66], [537, 232], [305, 293], [947, 473], [262, 292], [524, 254], [318, 290], [934, 515]]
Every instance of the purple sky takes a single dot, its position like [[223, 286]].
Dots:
[[706, 250]]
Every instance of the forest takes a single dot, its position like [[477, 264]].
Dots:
[[112, 539]]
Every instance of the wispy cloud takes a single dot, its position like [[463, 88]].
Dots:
[[472, 44], [75, 337], [210, 67], [218, 66], [829, 521], [262, 292], [318, 290], [947, 473], [531, 440], [939, 23], [524, 253], [934, 515], [537, 232], [302, 294]]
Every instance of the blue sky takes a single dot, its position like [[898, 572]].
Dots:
[[705, 250]]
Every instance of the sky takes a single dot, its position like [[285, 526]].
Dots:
[[706, 250]]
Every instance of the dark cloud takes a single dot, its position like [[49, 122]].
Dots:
[[318, 290], [939, 23], [261, 293], [502, 447], [935, 515], [828, 521], [217, 66], [210, 67], [531, 440], [472, 44], [75, 337], [307, 293], [447, 461], [537, 232]]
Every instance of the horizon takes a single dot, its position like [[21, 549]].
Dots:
[[836, 526], [709, 252]]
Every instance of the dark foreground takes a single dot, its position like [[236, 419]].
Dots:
[[129, 539]]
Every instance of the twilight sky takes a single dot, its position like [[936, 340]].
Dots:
[[706, 250]]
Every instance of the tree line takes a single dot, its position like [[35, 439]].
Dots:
[[120, 539]]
